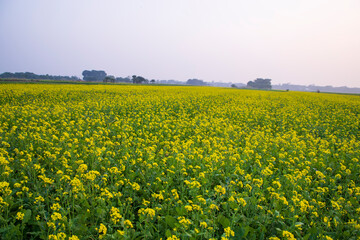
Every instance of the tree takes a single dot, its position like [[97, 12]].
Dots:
[[94, 76], [125, 80], [260, 83], [109, 78], [196, 82], [30, 75], [139, 79]]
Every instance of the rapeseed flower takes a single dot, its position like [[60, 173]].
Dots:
[[189, 160]]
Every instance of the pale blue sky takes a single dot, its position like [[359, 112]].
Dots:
[[290, 41]]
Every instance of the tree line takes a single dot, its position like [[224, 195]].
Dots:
[[260, 83], [30, 75], [101, 76]]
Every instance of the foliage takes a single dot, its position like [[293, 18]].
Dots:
[[124, 80], [260, 83], [30, 75], [109, 78], [196, 82], [139, 79], [93, 75], [151, 162]]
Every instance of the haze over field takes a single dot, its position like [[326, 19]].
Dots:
[[299, 42]]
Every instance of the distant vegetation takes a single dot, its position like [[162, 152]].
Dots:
[[314, 88], [196, 82], [124, 80], [260, 83], [94, 76], [139, 79], [30, 75], [100, 76]]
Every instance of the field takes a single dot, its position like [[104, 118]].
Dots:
[[152, 162]]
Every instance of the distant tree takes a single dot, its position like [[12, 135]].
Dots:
[[125, 80], [109, 78], [93, 75], [7, 75], [30, 75], [75, 78], [233, 86], [152, 81], [196, 82], [139, 80], [260, 83]]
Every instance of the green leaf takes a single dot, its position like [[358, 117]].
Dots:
[[3, 221], [223, 221], [306, 237], [27, 216], [171, 221], [233, 205], [168, 233], [241, 232], [4, 229], [100, 212], [181, 210]]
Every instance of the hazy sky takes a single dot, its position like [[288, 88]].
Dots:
[[290, 41]]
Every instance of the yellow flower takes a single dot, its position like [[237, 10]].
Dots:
[[128, 224], [53, 237], [61, 236], [214, 207], [327, 221], [102, 230], [219, 189], [144, 202], [82, 168], [55, 207], [229, 232], [276, 184], [175, 194], [203, 224], [4, 188], [148, 212], [56, 216], [188, 208], [288, 235], [20, 216], [184, 221], [241, 201], [51, 225], [173, 237], [115, 215], [135, 186], [304, 205]]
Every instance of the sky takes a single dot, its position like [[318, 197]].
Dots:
[[290, 41]]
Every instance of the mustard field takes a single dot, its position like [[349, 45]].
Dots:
[[172, 162]]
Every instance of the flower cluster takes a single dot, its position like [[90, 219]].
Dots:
[[149, 162]]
